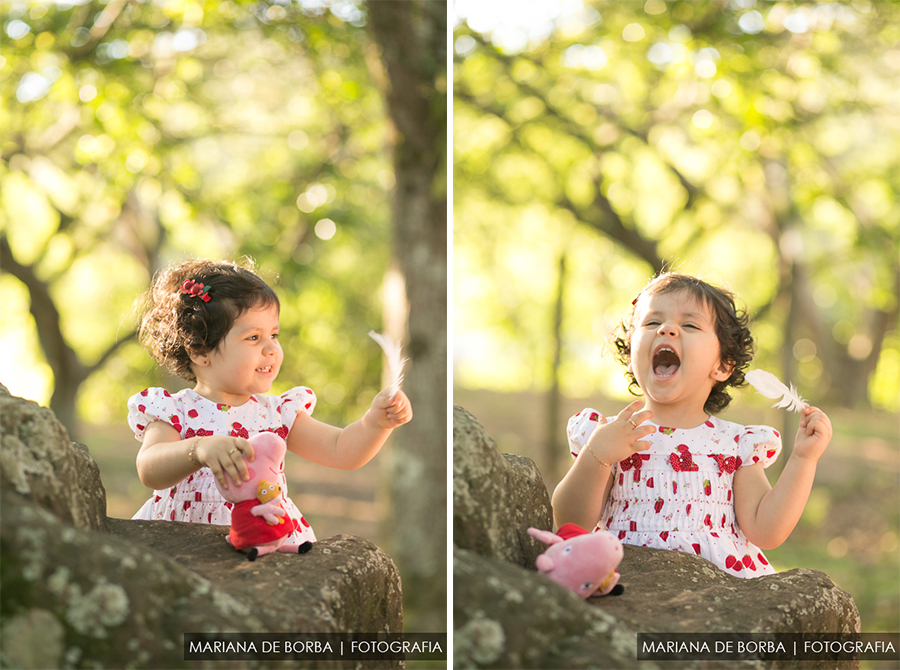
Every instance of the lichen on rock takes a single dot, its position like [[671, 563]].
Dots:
[[103, 607]]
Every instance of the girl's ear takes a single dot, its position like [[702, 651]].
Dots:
[[723, 371], [200, 360]]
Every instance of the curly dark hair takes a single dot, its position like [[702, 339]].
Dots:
[[731, 323], [175, 326]]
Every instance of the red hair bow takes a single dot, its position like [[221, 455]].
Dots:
[[195, 290]]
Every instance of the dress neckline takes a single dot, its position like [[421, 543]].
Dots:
[[710, 419], [219, 405]]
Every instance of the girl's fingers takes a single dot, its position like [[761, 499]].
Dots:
[[235, 460], [400, 417], [634, 415], [629, 410], [640, 417], [400, 409], [240, 465], [219, 474], [234, 471], [246, 448], [812, 423]]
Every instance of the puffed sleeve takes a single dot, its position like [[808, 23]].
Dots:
[[298, 399], [580, 428], [153, 404], [759, 444]]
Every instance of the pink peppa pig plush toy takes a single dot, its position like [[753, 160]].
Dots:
[[582, 562], [259, 523]]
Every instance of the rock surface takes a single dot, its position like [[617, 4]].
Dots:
[[81, 590], [40, 462], [690, 594], [345, 583], [507, 616], [496, 497]]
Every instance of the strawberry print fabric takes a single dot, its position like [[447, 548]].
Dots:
[[678, 495], [196, 499]]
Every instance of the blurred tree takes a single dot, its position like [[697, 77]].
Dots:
[[412, 38], [751, 142], [139, 133]]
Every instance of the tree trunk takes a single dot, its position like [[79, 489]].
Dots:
[[412, 38], [68, 372], [551, 449]]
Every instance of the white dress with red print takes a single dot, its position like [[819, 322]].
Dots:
[[678, 494], [196, 499]]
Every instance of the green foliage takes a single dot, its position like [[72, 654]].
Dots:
[[140, 133], [752, 145]]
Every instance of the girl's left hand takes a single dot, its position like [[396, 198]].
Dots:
[[813, 435], [389, 413]]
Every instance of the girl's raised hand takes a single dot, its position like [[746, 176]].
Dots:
[[813, 435], [389, 413], [223, 453], [616, 440]]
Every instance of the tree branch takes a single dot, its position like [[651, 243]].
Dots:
[[577, 130], [112, 349], [603, 218], [98, 31]]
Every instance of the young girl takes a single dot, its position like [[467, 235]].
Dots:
[[671, 475], [215, 324]]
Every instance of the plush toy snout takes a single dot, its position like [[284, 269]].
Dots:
[[545, 563]]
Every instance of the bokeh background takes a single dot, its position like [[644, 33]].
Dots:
[[139, 133], [756, 144]]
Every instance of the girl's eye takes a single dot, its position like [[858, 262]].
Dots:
[[253, 338], [274, 336]]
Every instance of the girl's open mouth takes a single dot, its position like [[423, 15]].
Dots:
[[665, 362], [265, 369]]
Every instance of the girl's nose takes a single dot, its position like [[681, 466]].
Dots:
[[667, 329]]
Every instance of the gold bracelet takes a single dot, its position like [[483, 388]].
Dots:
[[191, 457], [598, 460]]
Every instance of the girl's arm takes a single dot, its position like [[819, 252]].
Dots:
[[351, 447], [581, 495], [165, 459], [768, 514]]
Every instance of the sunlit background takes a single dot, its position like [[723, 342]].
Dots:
[[138, 134], [165, 130], [210, 129], [756, 144]]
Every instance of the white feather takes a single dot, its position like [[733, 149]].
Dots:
[[394, 361], [770, 386]]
